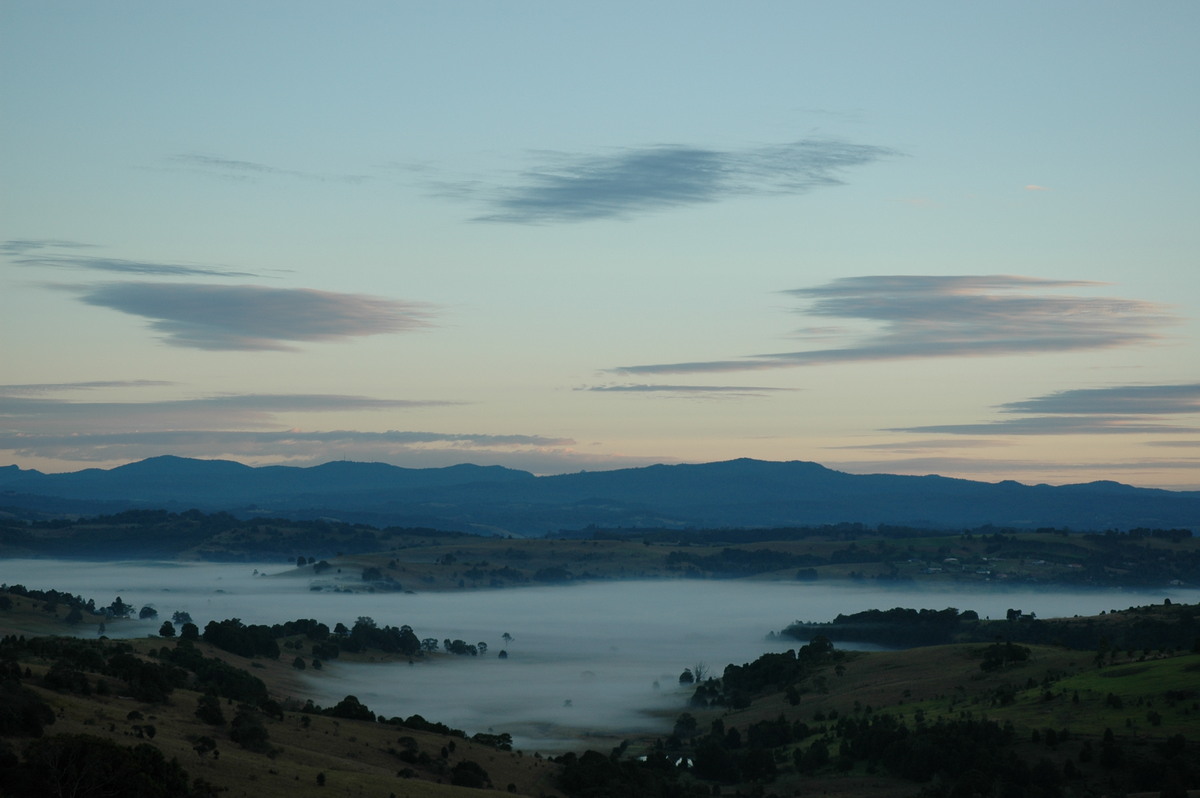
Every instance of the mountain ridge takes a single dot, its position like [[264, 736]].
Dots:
[[742, 492]]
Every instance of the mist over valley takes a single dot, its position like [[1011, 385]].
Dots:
[[596, 661]]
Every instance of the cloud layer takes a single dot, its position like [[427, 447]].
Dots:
[[252, 428], [230, 411], [574, 188], [1118, 400], [249, 170], [43, 254], [953, 316], [689, 390], [253, 317], [1127, 409]]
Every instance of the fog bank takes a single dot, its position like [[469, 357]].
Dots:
[[583, 659]]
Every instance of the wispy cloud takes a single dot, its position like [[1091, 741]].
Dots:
[[1117, 400], [24, 246], [223, 412], [1035, 187], [250, 441], [575, 188], [249, 170], [536, 453], [48, 254], [924, 445], [253, 317], [989, 469], [1117, 410], [688, 390], [62, 387], [920, 316], [1056, 425]]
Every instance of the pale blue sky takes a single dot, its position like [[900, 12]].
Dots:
[[911, 237]]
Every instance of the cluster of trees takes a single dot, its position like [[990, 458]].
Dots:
[[238, 638], [251, 640], [733, 563], [81, 764], [220, 535], [367, 634], [900, 627], [595, 775], [771, 672], [1154, 627]]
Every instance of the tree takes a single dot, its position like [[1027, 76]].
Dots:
[[248, 731], [481, 647], [167, 629], [81, 764], [75, 615], [204, 746], [208, 709], [147, 613], [189, 632], [181, 617], [351, 709], [686, 726], [301, 562], [687, 677], [429, 645], [466, 773], [22, 712], [699, 671], [119, 609], [507, 638]]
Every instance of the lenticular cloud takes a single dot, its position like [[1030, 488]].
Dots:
[[249, 317]]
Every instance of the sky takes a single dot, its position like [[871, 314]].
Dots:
[[913, 238]]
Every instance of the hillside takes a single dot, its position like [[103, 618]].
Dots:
[[398, 558], [934, 721], [144, 692]]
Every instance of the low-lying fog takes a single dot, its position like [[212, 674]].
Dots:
[[583, 660]]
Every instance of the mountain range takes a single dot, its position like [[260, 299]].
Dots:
[[498, 500]]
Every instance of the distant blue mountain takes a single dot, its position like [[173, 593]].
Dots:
[[493, 499]]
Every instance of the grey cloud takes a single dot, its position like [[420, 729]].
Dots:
[[23, 246], [1119, 400], [1055, 425], [1125, 409], [57, 387], [252, 317], [262, 441], [573, 188], [41, 254], [249, 170], [919, 316], [986, 468], [688, 390], [539, 454], [215, 412], [925, 445], [127, 266]]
